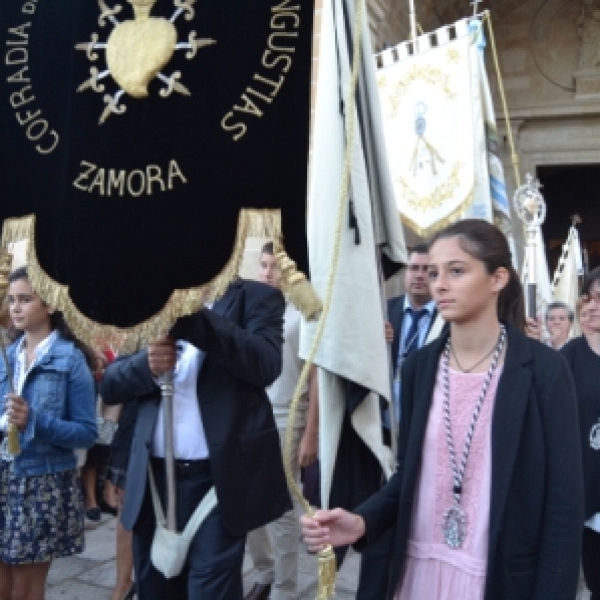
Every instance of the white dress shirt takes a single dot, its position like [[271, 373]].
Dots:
[[281, 391], [189, 439], [407, 318]]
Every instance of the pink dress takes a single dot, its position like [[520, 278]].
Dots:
[[434, 571]]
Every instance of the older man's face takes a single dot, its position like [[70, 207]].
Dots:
[[558, 323]]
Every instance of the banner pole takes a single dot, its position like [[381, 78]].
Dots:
[[413, 23], [166, 388]]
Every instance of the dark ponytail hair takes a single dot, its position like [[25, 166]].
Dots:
[[57, 322], [486, 243]]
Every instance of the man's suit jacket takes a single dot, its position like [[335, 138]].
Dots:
[[536, 512], [242, 338], [395, 317]]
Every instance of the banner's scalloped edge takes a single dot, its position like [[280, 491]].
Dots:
[[264, 223], [426, 232]]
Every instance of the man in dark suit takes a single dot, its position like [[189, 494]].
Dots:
[[224, 436], [411, 319]]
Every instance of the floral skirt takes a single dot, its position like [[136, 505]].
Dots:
[[41, 517]]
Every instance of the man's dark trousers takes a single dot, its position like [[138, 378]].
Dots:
[[213, 570]]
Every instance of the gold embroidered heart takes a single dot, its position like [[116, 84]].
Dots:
[[137, 50]]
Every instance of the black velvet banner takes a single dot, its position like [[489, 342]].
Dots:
[[148, 201]]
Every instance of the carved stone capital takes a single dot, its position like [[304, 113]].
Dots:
[[515, 127]]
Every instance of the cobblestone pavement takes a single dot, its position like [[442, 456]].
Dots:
[[91, 575]]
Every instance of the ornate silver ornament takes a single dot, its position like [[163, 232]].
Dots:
[[530, 205]]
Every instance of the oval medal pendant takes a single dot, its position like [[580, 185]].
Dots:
[[595, 437], [455, 527]]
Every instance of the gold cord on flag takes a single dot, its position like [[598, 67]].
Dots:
[[326, 557]]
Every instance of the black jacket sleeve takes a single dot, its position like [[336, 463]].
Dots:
[[248, 340], [128, 379]]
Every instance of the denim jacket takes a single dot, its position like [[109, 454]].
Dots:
[[62, 414]]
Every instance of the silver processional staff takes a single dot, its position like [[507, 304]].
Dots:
[[530, 207]]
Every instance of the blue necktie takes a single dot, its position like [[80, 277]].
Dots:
[[411, 342], [412, 337]]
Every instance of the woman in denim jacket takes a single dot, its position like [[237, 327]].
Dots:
[[50, 398]]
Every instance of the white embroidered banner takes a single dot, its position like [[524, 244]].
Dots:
[[433, 122], [565, 285]]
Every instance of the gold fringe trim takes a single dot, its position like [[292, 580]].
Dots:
[[454, 216], [251, 223]]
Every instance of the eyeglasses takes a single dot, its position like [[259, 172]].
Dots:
[[595, 296]]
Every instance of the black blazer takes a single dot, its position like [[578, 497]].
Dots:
[[585, 364], [242, 337], [395, 317], [537, 485]]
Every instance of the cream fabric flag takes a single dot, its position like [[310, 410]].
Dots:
[[542, 275], [353, 348], [565, 286], [433, 124]]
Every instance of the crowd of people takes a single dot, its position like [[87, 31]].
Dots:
[[495, 419]]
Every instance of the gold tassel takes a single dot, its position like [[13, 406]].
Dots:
[[327, 574], [13, 446], [296, 287]]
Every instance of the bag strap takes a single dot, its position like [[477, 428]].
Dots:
[[158, 510], [208, 503], [202, 510]]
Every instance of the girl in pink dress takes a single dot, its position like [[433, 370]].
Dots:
[[487, 500]]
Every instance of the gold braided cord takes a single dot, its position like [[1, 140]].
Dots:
[[251, 223], [296, 287], [326, 586], [514, 157]]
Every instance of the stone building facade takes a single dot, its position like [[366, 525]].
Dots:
[[549, 53]]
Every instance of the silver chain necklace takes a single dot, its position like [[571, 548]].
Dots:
[[454, 524], [475, 365]]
